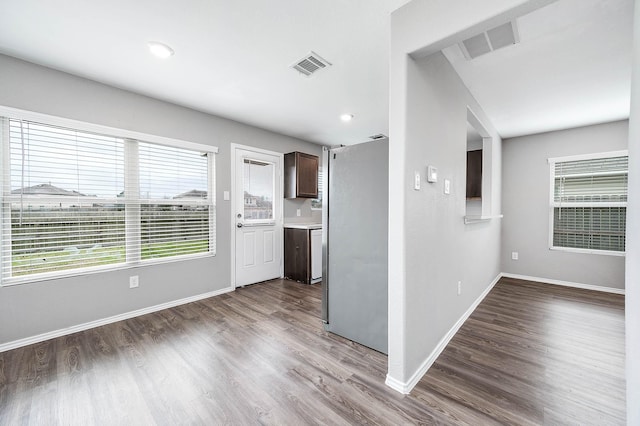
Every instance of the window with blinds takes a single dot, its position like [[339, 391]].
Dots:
[[316, 204], [175, 207], [74, 200], [589, 202]]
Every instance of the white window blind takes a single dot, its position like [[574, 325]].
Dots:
[[589, 203], [317, 203], [174, 204], [73, 200]]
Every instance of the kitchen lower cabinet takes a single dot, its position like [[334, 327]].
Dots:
[[303, 255]]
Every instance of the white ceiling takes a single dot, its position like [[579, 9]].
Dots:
[[233, 59], [571, 68]]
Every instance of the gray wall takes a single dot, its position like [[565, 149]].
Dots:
[[439, 248], [426, 234], [525, 205], [30, 309]]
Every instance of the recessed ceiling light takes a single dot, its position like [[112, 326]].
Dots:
[[160, 50], [346, 117]]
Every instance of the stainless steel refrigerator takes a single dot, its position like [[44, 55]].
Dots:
[[355, 214]]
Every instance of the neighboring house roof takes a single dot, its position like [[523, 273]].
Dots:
[[194, 193], [46, 189]]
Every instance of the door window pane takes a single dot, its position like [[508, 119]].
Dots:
[[258, 190]]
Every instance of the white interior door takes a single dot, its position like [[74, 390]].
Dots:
[[257, 210]]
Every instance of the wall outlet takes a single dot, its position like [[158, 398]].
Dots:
[[459, 288], [447, 186], [514, 255], [298, 212], [134, 281], [416, 181]]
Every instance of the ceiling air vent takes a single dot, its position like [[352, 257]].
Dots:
[[310, 64], [496, 38], [377, 137]]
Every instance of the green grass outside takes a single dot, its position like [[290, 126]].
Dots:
[[52, 261]]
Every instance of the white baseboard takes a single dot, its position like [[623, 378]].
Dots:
[[92, 324], [565, 283], [405, 388], [396, 385]]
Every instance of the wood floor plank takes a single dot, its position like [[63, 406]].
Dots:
[[531, 354]]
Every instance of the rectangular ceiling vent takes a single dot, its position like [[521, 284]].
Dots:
[[310, 64], [377, 137], [496, 38]]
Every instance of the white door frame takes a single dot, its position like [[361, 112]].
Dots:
[[234, 150]]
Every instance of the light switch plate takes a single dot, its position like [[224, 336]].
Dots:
[[447, 186], [225, 195], [416, 181], [432, 174]]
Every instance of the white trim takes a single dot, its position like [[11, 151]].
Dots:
[[550, 209], [120, 317], [480, 218], [591, 156], [213, 196], [99, 128], [406, 388], [5, 188], [575, 204], [589, 251], [232, 210], [565, 283], [396, 385]]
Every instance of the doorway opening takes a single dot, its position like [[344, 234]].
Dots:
[[256, 215]]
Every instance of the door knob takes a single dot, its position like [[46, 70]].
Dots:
[[239, 225]]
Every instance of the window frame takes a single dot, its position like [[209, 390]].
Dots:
[[8, 113], [318, 201], [553, 204]]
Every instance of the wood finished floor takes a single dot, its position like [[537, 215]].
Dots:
[[530, 354]]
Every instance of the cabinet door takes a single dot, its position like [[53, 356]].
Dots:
[[296, 254], [474, 174], [307, 175]]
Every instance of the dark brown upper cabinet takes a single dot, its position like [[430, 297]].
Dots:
[[300, 175], [474, 175]]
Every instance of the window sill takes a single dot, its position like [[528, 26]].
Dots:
[[468, 220], [589, 251]]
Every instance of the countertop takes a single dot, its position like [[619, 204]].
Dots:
[[303, 225]]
